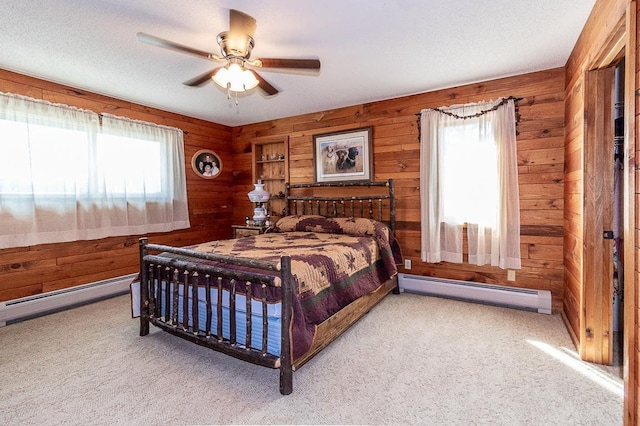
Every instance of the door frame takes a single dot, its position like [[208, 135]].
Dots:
[[622, 40]]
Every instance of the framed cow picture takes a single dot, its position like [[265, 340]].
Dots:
[[343, 156]]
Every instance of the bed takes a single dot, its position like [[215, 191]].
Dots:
[[278, 298]]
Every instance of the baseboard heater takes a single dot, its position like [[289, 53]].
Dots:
[[12, 311], [512, 297]]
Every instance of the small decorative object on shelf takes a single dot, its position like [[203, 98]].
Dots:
[[259, 196]]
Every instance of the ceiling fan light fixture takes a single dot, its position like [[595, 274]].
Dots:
[[235, 78], [238, 45], [235, 48]]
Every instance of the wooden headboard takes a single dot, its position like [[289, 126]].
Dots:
[[373, 200]]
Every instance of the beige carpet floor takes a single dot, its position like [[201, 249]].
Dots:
[[412, 360]]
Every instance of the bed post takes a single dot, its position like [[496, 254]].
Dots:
[[144, 289], [392, 207], [392, 223], [286, 365], [287, 190]]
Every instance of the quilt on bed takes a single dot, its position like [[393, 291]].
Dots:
[[334, 261]]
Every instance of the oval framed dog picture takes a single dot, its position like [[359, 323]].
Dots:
[[343, 156]]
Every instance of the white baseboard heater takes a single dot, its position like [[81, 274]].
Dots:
[[512, 297], [15, 310]]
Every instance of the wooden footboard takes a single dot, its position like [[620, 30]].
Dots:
[[163, 279]]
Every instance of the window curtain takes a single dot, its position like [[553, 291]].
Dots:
[[65, 178], [146, 190], [469, 175]]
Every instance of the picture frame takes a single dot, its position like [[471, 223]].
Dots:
[[206, 164], [343, 156]]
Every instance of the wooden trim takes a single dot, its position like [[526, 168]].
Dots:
[[630, 326], [614, 47], [542, 230], [567, 324]]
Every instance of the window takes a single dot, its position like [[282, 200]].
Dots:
[[469, 177], [142, 163], [65, 176], [465, 153]]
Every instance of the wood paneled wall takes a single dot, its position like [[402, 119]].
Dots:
[[396, 153], [599, 39], [31, 270]]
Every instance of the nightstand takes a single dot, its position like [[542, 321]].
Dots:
[[240, 231]]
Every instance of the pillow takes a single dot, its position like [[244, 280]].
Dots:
[[295, 223], [357, 226]]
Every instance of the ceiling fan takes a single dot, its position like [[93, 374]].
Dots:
[[236, 44]]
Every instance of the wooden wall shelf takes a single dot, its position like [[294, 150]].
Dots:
[[270, 164]]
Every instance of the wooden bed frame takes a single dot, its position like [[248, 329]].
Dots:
[[310, 199]]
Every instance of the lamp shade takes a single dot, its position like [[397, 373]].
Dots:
[[259, 194], [235, 78]]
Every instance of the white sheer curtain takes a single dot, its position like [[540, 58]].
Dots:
[[65, 178], [469, 175], [145, 190]]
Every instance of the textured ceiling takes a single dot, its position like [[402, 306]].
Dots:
[[369, 50]]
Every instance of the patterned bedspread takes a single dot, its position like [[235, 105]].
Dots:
[[334, 261]]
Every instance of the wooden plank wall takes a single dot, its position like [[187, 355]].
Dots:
[[31, 270], [597, 36], [396, 152]]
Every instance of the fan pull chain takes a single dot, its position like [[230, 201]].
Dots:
[[229, 94]]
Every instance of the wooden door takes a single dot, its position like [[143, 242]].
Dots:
[[596, 340]]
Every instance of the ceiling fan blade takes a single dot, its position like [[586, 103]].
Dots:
[[160, 42], [311, 64], [241, 23], [264, 84], [201, 79]]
